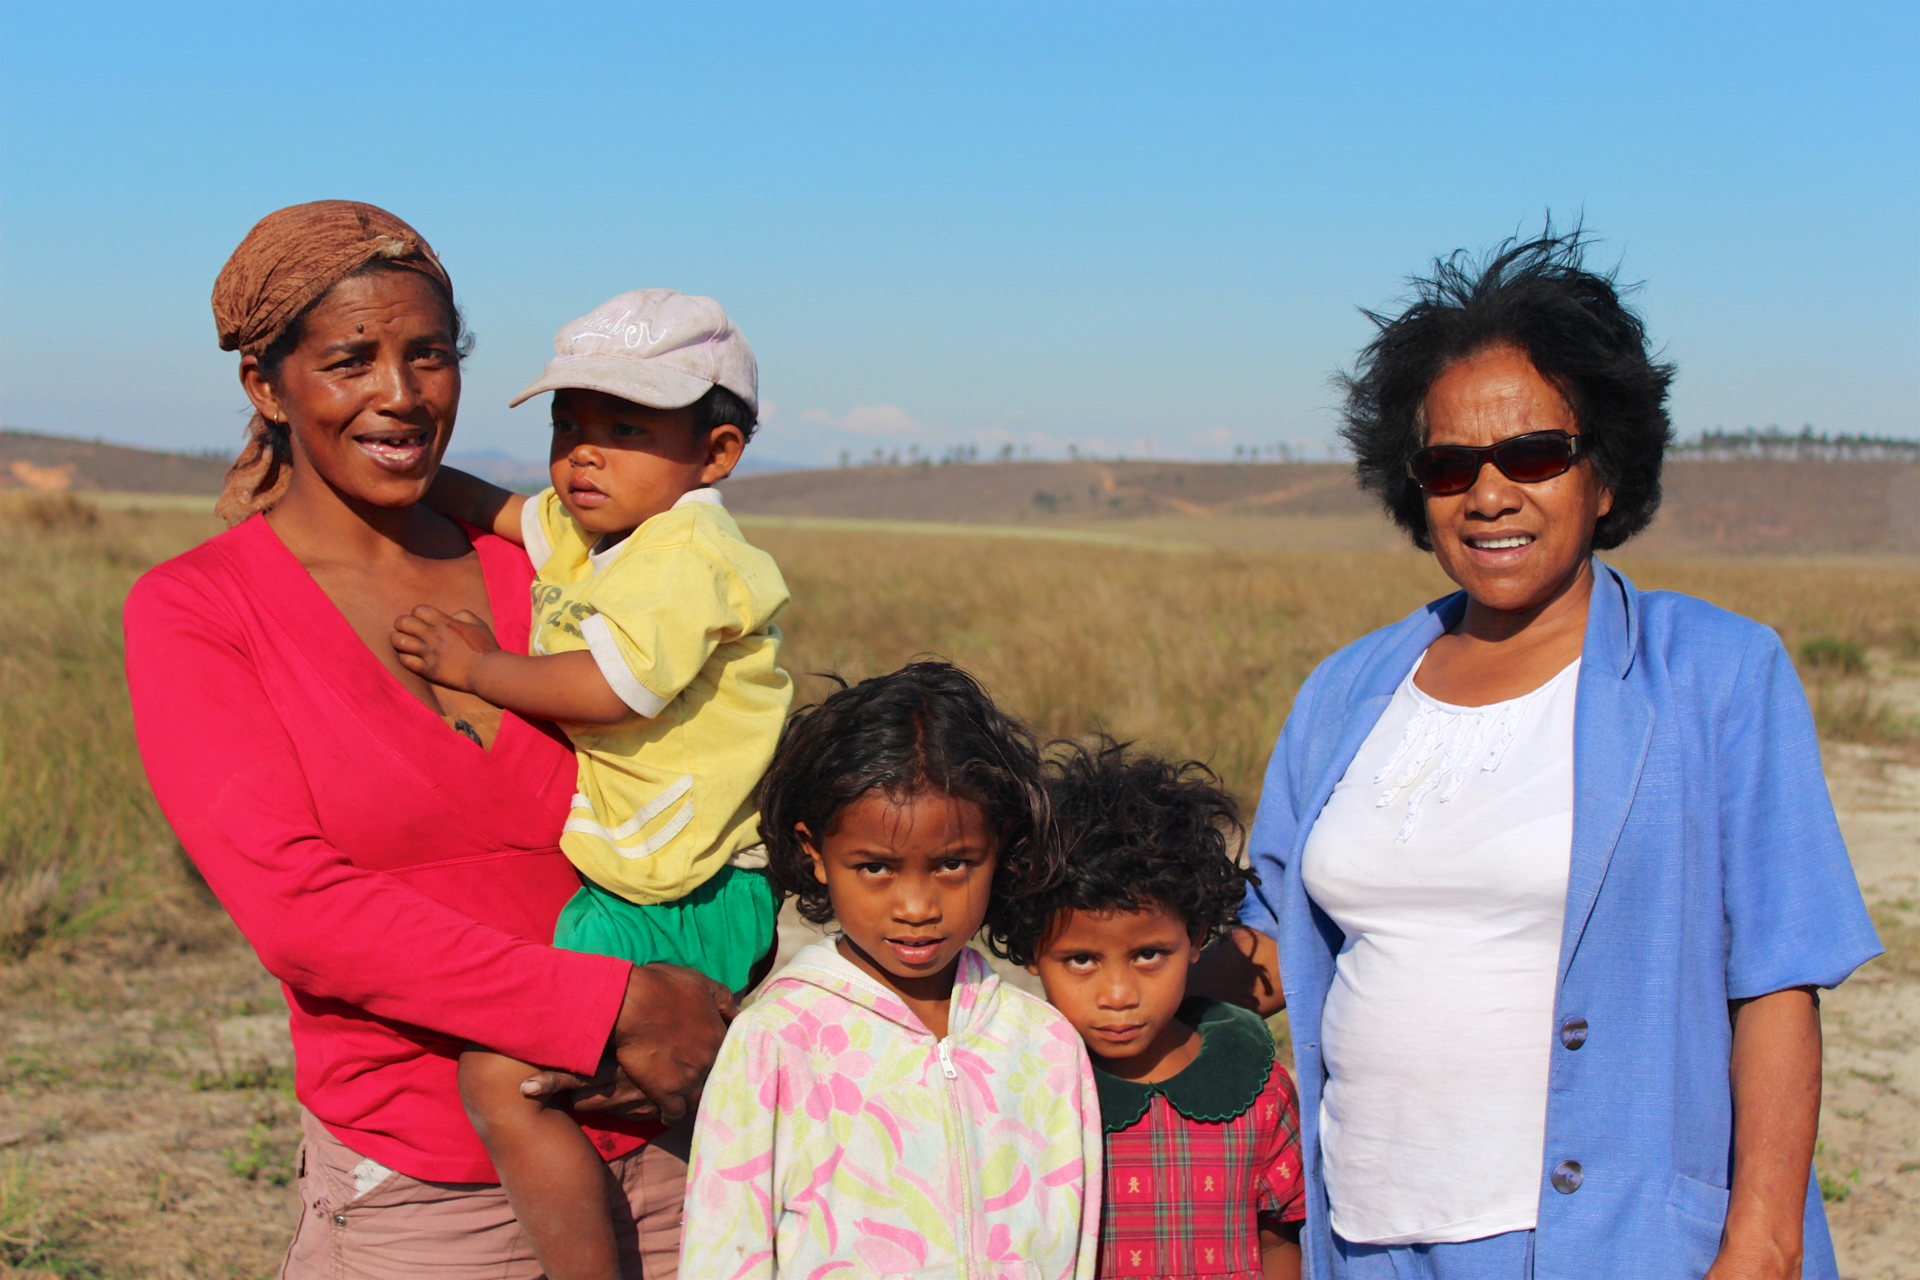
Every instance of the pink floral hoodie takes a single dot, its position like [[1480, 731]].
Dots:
[[839, 1140]]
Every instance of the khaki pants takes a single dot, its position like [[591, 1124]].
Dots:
[[361, 1222]]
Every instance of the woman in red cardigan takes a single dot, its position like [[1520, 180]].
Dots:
[[388, 847]]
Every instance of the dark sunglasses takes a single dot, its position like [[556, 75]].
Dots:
[[1527, 459]]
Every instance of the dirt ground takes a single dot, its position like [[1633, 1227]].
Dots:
[[1870, 1115], [146, 1112], [147, 1122]]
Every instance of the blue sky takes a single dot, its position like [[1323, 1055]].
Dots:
[[1130, 228]]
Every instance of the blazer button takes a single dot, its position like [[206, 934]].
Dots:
[[1567, 1177], [1573, 1032]]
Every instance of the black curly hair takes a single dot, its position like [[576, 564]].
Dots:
[[927, 726], [1538, 296], [1134, 830]]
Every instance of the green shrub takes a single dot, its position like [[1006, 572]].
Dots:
[[1833, 1190], [34, 1239], [266, 1157], [1846, 712], [1834, 654]]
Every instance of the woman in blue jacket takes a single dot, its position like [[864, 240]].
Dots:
[[1550, 874]]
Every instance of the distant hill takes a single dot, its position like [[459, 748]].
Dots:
[[524, 476], [1786, 508], [1742, 506], [29, 460], [502, 469], [1014, 492], [32, 461]]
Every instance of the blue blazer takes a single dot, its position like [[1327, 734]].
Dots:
[[1706, 866]]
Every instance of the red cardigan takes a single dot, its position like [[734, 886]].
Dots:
[[401, 882]]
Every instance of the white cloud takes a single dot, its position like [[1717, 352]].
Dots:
[[871, 420]]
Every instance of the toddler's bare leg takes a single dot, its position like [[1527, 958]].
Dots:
[[555, 1181]]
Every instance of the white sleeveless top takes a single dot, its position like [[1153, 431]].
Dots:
[[1443, 857]]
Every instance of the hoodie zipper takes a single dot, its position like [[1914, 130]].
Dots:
[[963, 1237]]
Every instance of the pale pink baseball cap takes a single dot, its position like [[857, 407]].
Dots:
[[657, 347]]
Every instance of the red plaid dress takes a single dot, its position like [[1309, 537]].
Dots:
[[1195, 1162]]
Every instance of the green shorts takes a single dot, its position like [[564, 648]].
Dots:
[[723, 928]]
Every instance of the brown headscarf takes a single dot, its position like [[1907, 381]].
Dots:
[[290, 258]]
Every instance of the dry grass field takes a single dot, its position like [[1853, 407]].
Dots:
[[145, 1111]]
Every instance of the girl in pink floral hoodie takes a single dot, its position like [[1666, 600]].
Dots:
[[888, 1107]]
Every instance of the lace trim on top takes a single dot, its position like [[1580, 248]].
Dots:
[[1462, 737]]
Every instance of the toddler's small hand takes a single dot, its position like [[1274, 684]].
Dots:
[[445, 649]]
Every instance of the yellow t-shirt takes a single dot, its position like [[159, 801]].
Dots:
[[679, 618]]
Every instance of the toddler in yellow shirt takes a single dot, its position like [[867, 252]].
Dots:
[[653, 646]]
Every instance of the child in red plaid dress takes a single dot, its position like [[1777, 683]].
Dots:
[[1202, 1126]]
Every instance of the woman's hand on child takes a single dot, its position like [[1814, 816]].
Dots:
[[668, 1033], [608, 1091], [1242, 967], [444, 649], [669, 1030]]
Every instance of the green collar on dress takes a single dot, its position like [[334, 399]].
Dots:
[[1236, 1056]]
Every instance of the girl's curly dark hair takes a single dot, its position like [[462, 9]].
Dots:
[[1135, 830], [927, 726], [1539, 297]]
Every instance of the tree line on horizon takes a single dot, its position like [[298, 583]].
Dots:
[[1719, 445], [1772, 444]]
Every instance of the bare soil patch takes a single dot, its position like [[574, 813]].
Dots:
[[147, 1111], [1870, 1115]]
